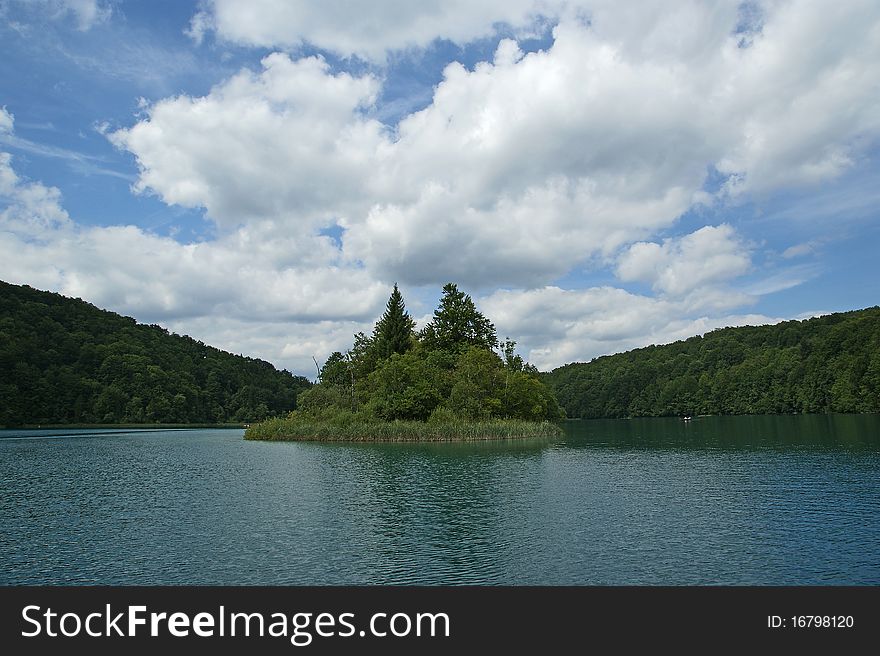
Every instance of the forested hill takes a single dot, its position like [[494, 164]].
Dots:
[[825, 364], [63, 360]]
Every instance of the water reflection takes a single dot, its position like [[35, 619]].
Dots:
[[751, 432], [406, 505]]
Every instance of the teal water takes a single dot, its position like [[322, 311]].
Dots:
[[728, 500]]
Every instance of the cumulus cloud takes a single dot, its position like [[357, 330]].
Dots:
[[368, 30], [680, 265], [519, 171], [287, 143], [222, 296], [530, 164], [286, 344], [805, 96], [556, 326], [30, 210]]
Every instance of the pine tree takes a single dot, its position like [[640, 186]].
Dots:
[[394, 330], [457, 324]]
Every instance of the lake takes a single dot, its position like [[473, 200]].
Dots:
[[717, 500]]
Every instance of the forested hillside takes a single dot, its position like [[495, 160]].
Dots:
[[63, 360], [825, 364]]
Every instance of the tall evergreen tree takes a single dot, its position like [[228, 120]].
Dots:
[[394, 330], [457, 324]]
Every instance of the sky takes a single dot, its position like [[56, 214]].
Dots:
[[598, 175]]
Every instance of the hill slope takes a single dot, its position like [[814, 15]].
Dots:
[[825, 364], [63, 360]]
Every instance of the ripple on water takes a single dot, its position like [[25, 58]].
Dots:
[[609, 503]]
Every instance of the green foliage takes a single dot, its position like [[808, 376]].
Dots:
[[363, 356], [457, 324], [394, 330], [442, 415], [485, 386], [525, 396], [350, 427], [404, 387], [323, 400], [448, 377], [65, 361], [825, 364], [336, 370], [477, 384]]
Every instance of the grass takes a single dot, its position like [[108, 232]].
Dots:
[[281, 429]]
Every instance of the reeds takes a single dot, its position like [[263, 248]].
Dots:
[[306, 429]]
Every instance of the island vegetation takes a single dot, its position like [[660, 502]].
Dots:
[[64, 361], [820, 365], [453, 380]]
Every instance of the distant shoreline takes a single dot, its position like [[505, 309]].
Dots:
[[92, 426]]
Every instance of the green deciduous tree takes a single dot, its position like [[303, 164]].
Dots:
[[335, 370], [477, 385], [404, 387]]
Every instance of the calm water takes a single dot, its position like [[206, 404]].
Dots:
[[766, 500]]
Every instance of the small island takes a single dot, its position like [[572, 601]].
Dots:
[[451, 381]]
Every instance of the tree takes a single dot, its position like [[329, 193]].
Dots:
[[458, 325], [512, 361], [394, 330], [477, 385], [362, 356], [526, 397], [335, 370], [404, 387], [322, 400]]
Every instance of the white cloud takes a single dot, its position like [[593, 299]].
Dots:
[[6, 121], [84, 163], [240, 275], [368, 30], [784, 279], [530, 165], [30, 210], [709, 256], [803, 249], [804, 95], [519, 171], [290, 345], [556, 326], [287, 143]]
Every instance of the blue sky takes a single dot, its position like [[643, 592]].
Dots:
[[598, 176]]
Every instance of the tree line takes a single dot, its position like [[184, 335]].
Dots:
[[455, 368], [825, 364], [63, 361]]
